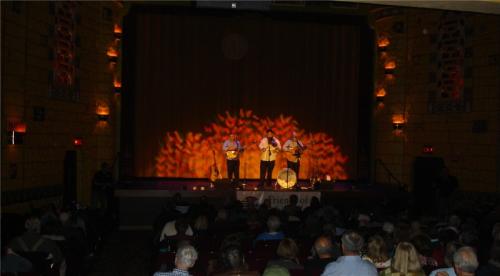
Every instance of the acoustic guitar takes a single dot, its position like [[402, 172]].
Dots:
[[233, 154], [294, 153], [214, 170]]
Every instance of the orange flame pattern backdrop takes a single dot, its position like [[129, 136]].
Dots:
[[190, 155]]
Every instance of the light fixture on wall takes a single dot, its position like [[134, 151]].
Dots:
[[380, 95], [382, 43], [112, 54], [389, 67], [398, 122], [117, 85], [102, 112], [16, 133], [117, 31]]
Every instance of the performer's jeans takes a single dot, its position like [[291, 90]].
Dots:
[[294, 166], [233, 169], [266, 168]]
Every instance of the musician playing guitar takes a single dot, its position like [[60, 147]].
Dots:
[[232, 148], [293, 149]]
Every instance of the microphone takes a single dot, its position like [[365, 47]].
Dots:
[[271, 141]]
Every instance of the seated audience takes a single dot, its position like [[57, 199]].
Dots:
[[170, 229], [273, 225], [404, 262], [13, 263], [325, 252], [423, 245], [276, 270], [32, 241], [292, 210], [185, 258], [377, 253], [451, 248], [233, 263], [493, 266], [465, 262], [350, 263], [287, 255]]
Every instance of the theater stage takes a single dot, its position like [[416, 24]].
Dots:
[[141, 200]]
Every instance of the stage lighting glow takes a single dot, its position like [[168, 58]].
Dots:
[[189, 155]]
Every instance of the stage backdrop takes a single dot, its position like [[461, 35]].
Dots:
[[190, 79]]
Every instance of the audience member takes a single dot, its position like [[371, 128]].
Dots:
[[325, 252], [287, 255], [465, 261], [273, 225], [492, 268], [32, 241], [404, 262], [292, 210], [377, 253], [451, 248], [13, 263], [350, 263], [234, 263], [185, 258]]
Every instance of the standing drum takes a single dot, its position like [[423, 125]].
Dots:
[[287, 178]]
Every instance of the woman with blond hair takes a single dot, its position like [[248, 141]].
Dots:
[[377, 253], [405, 262]]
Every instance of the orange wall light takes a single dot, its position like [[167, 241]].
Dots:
[[390, 67], [102, 112], [382, 43], [16, 133], [117, 84], [380, 95], [398, 122], [112, 54], [117, 31]]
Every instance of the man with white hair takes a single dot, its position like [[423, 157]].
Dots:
[[350, 263], [465, 261], [185, 258]]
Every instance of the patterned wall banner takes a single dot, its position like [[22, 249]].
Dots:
[[447, 93], [190, 155], [64, 70]]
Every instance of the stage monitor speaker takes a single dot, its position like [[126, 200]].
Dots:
[[236, 5], [70, 176]]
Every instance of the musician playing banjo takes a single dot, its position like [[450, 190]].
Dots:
[[293, 149], [232, 149], [269, 147]]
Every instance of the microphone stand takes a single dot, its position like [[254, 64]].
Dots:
[[269, 143]]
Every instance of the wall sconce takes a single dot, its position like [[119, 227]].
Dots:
[[117, 31], [382, 43], [117, 86], [16, 133], [380, 95], [102, 113], [389, 67], [112, 55], [398, 122]]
